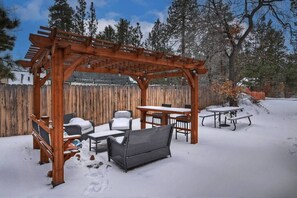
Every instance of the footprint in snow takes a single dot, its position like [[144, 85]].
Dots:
[[98, 178]]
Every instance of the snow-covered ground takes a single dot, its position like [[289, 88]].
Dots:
[[254, 161]]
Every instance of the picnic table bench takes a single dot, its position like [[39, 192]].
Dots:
[[205, 116], [235, 118]]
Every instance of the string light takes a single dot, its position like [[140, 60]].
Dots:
[[49, 56], [195, 72]]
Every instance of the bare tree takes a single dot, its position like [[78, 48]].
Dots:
[[235, 20]]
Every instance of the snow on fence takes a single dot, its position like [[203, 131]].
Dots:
[[90, 102]]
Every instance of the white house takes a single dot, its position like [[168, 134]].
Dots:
[[22, 76]]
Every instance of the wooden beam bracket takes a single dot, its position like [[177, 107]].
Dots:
[[89, 41], [139, 51], [116, 47]]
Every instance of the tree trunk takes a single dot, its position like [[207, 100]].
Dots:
[[232, 61], [232, 76]]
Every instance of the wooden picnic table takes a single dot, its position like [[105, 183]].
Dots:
[[164, 110]]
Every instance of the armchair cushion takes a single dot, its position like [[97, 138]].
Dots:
[[121, 123], [84, 124]]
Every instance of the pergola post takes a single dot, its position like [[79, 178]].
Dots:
[[36, 101], [143, 103], [57, 108], [194, 109], [36, 112], [143, 85]]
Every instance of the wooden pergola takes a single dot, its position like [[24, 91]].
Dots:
[[62, 53]]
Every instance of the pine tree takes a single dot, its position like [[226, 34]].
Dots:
[[6, 42], [157, 39], [92, 23], [182, 24], [291, 74], [108, 34], [267, 59], [136, 36], [80, 17], [123, 32], [60, 16]]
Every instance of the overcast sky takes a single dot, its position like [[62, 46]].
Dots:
[[34, 13]]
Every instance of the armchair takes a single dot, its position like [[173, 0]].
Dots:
[[78, 126], [183, 124], [122, 120]]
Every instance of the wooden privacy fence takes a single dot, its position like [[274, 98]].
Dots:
[[90, 102]]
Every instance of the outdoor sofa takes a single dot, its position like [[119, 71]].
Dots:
[[140, 146], [77, 126]]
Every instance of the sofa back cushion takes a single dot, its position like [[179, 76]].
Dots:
[[145, 140]]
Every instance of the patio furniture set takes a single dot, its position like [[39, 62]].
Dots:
[[139, 146]]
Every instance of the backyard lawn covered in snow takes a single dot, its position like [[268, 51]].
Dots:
[[254, 161]]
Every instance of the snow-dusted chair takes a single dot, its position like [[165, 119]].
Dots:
[[122, 120], [78, 126]]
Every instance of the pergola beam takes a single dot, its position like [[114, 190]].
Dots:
[[45, 78], [174, 61], [69, 71], [25, 64]]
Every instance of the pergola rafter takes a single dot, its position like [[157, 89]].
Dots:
[[62, 53]]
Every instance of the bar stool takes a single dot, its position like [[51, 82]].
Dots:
[[158, 116], [183, 124]]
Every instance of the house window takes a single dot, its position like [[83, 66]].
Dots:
[[22, 78], [29, 79]]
